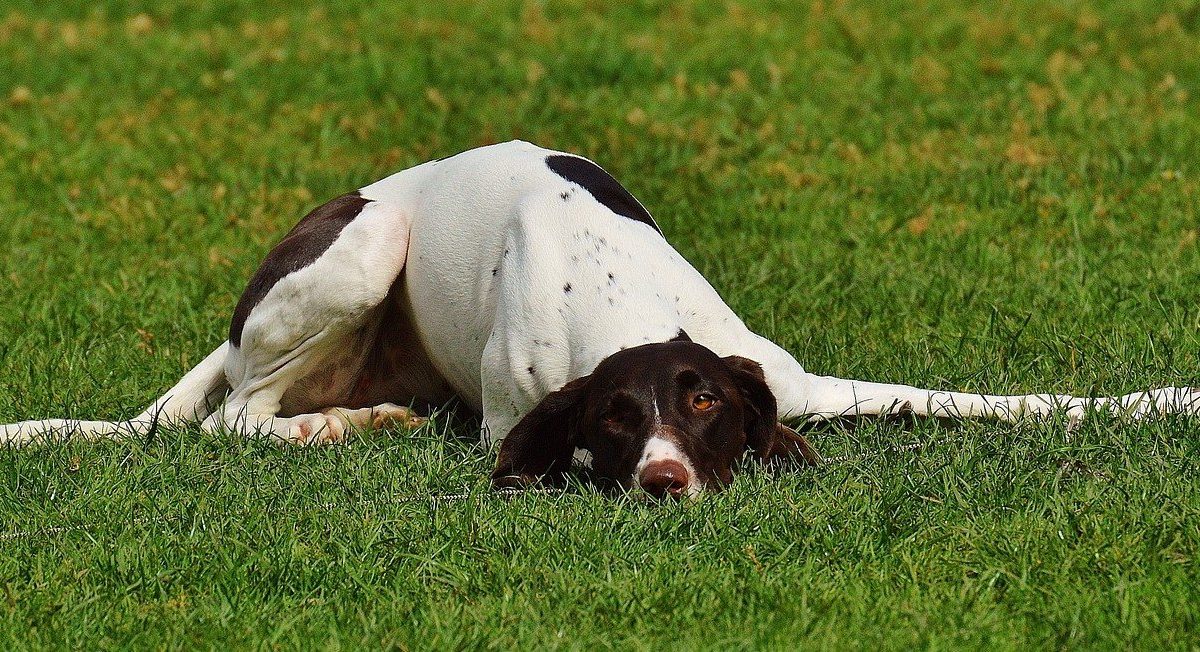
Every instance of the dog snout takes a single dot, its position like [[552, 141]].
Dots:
[[664, 478]]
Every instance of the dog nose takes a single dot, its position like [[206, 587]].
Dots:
[[664, 478]]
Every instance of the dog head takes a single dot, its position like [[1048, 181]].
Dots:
[[672, 418]]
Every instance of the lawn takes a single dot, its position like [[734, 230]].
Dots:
[[997, 198]]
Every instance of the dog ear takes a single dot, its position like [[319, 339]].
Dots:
[[542, 443], [792, 446], [765, 435]]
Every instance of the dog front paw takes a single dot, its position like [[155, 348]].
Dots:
[[391, 415]]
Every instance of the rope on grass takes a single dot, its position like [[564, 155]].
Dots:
[[434, 500], [844, 459]]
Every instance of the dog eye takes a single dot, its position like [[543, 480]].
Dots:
[[616, 415], [704, 402]]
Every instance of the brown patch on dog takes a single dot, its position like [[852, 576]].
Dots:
[[310, 238]]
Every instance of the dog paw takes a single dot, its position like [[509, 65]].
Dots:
[[390, 415], [316, 429]]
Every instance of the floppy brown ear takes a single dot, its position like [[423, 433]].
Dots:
[[769, 439], [792, 446], [542, 443]]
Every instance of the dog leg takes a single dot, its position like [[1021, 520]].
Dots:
[[836, 397], [326, 427], [387, 415], [304, 312], [802, 395], [189, 401]]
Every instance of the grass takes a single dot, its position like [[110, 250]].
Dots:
[[989, 198]]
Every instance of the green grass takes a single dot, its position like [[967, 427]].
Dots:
[[997, 199]]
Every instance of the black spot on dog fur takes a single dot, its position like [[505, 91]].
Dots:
[[530, 370], [567, 288], [601, 185], [305, 243]]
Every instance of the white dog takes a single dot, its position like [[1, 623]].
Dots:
[[534, 287]]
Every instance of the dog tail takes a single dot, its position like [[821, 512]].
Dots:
[[191, 400]]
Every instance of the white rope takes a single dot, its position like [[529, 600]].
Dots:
[[843, 459], [435, 500]]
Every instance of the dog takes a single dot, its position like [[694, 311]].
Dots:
[[532, 286]]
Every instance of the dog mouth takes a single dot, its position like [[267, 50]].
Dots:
[[631, 486], [662, 473]]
